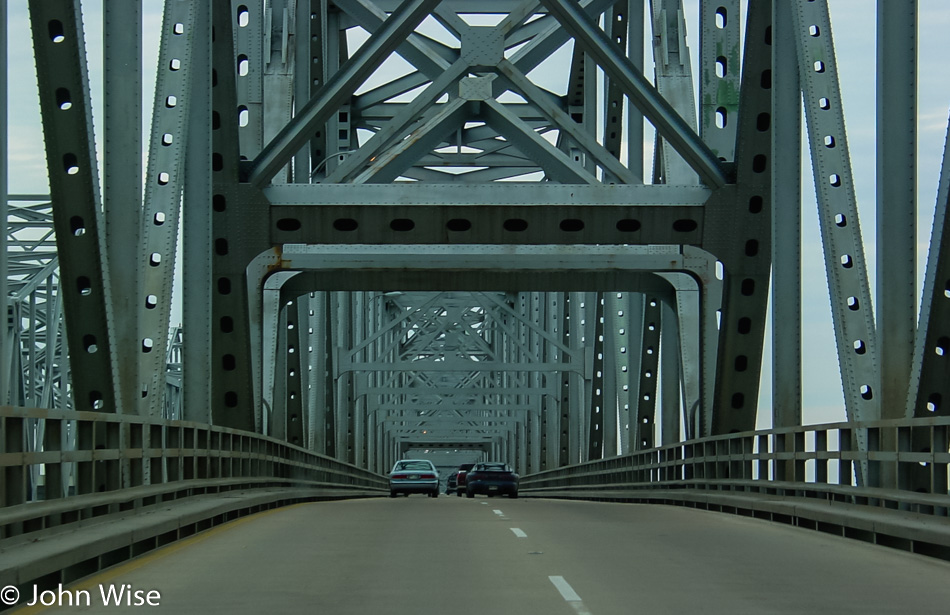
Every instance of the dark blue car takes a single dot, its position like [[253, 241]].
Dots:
[[491, 478]]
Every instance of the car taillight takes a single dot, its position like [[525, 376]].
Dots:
[[400, 476], [427, 476]]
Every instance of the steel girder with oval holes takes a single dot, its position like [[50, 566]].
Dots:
[[583, 212]]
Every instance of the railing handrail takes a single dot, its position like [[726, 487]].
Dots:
[[941, 421]]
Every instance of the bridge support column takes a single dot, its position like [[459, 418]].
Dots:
[[670, 409], [786, 223]]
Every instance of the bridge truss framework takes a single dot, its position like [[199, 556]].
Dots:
[[457, 248]]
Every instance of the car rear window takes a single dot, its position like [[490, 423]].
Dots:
[[413, 465], [494, 467]]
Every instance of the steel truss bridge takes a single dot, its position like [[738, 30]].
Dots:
[[460, 229]]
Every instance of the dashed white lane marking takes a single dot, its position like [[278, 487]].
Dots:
[[570, 596], [519, 533], [498, 512], [567, 592]]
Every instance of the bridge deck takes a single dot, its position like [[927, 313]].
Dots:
[[457, 555]]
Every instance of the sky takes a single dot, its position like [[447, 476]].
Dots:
[[853, 23]]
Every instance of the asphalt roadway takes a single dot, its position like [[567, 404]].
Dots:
[[452, 555]]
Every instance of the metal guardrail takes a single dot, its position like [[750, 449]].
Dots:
[[806, 476], [61, 472]]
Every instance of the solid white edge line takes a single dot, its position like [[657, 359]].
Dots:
[[519, 533], [567, 592]]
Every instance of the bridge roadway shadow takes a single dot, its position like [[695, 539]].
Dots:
[[454, 555]]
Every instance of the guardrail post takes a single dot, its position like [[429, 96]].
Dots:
[[14, 477], [798, 450], [53, 442], [821, 457]]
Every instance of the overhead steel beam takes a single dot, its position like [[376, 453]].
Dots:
[[467, 392], [459, 409], [457, 366], [529, 194]]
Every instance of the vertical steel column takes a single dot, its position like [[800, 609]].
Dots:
[[276, 369], [649, 367], [273, 347], [317, 60], [616, 22], [278, 70], [378, 312], [744, 245], [578, 99], [582, 334], [550, 403], [232, 402], [612, 375], [344, 390], [930, 387], [299, 340], [629, 342], [616, 328], [337, 134], [196, 232], [357, 404], [163, 192], [316, 373], [670, 363], [329, 341], [122, 188], [535, 311], [248, 16], [674, 80], [303, 58], [5, 355], [566, 399], [598, 400], [838, 213], [59, 50], [719, 60], [786, 222], [694, 332], [896, 199], [636, 28]]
